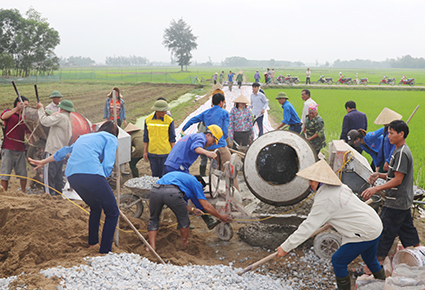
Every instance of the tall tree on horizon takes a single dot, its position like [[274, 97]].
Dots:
[[180, 40]]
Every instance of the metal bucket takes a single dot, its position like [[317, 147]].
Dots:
[[412, 257]]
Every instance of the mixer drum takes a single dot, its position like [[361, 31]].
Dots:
[[271, 164]]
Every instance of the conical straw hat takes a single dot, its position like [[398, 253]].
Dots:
[[242, 99], [320, 172], [217, 86], [387, 116], [131, 128]]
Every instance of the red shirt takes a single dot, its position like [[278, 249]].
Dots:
[[111, 109], [14, 133]]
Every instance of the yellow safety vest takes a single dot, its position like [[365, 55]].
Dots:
[[159, 140]]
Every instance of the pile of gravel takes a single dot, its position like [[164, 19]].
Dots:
[[131, 271], [306, 271], [143, 182]]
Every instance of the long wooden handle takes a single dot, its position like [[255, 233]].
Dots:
[[36, 94], [413, 113], [256, 264], [271, 256], [236, 151], [141, 237], [16, 90]]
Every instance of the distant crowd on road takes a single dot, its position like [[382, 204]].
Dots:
[[268, 77]]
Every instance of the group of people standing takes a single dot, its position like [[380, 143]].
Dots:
[[57, 117]]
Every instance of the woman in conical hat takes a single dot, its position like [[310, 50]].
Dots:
[[240, 123], [386, 149], [358, 223]]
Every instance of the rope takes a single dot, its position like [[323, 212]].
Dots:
[[339, 172], [124, 231], [169, 226]]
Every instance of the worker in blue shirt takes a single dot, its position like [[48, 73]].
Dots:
[[370, 142], [175, 189], [290, 116], [220, 117], [91, 161], [187, 149], [386, 151]]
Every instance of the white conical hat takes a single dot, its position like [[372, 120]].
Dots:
[[242, 99], [131, 128], [320, 172], [217, 86], [387, 116]]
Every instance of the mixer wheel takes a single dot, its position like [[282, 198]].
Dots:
[[326, 244], [224, 232]]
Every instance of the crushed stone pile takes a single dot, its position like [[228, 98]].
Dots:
[[131, 271]]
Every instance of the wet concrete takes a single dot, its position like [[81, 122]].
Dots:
[[269, 236]]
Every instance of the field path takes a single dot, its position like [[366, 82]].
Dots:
[[229, 96]]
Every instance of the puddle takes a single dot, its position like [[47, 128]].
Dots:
[[140, 122]]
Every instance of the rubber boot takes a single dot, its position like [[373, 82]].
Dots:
[[343, 283], [210, 221], [202, 170], [380, 274]]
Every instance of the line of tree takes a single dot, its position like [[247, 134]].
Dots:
[[27, 44], [76, 61], [237, 61], [131, 60], [406, 61]]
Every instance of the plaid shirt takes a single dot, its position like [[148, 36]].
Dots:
[[240, 121]]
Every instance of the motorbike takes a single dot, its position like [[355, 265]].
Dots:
[[362, 81], [280, 79], [324, 80], [406, 81], [291, 80], [342, 80], [389, 81]]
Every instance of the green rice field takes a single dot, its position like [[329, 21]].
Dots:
[[331, 109]]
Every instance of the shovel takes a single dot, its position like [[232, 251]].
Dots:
[[271, 256]]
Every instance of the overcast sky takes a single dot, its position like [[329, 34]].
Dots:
[[270, 29]]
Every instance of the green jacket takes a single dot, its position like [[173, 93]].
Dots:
[[137, 144]]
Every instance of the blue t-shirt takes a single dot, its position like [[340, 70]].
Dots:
[[187, 183], [230, 77], [92, 153], [214, 116], [183, 153], [373, 141], [290, 116]]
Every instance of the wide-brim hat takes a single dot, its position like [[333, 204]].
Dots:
[[320, 172], [217, 87], [281, 95], [160, 106], [56, 94], [387, 116], [242, 99], [240, 72], [131, 128], [217, 91], [115, 89], [66, 105]]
